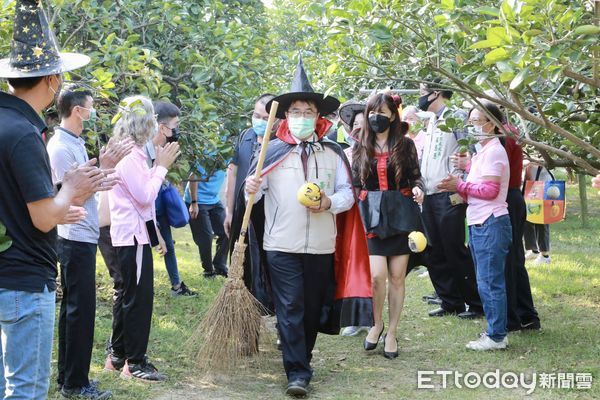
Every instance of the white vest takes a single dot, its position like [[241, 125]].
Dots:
[[289, 226]]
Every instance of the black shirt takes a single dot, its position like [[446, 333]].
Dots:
[[246, 149], [25, 176]]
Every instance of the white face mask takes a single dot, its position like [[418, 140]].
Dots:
[[479, 133]]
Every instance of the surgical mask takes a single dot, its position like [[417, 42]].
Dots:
[[379, 123], [174, 135], [92, 117], [259, 126], [478, 132], [347, 136], [91, 121], [55, 93], [424, 101], [301, 127]]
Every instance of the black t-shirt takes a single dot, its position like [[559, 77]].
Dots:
[[246, 149], [25, 176]]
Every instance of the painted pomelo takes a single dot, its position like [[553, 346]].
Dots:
[[309, 195]]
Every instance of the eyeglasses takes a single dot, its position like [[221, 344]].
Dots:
[[477, 121], [305, 114]]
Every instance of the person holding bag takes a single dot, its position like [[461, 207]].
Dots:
[[168, 201], [385, 170], [133, 231]]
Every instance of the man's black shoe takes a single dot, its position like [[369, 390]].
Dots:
[[534, 325], [470, 315], [221, 272], [297, 388], [437, 301], [428, 297], [440, 312]]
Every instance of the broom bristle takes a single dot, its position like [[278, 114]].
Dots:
[[230, 328]]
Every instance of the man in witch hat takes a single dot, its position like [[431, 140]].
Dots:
[[300, 242], [29, 207]]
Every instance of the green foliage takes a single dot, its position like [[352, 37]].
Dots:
[[207, 57], [524, 48], [5, 241], [213, 58]]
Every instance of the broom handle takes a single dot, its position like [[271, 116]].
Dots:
[[259, 165]]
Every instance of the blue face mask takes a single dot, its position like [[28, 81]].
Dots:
[[302, 128], [259, 126]]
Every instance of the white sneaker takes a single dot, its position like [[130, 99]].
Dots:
[[354, 330], [530, 255], [540, 259], [484, 343]]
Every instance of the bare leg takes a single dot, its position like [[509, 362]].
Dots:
[[396, 289], [379, 274]]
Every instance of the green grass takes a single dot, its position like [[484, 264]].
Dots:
[[566, 293]]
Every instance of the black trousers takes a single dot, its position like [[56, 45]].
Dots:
[[77, 311], [133, 308], [451, 266], [111, 259], [301, 285], [205, 227], [537, 237], [520, 307]]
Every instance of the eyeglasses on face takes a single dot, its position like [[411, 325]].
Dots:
[[477, 121], [305, 114]]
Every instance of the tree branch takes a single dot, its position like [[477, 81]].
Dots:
[[581, 78], [538, 106], [521, 111]]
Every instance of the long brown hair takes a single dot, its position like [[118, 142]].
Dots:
[[403, 156]]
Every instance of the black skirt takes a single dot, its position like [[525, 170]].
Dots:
[[396, 245]]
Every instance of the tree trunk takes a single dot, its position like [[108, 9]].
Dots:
[[583, 200]]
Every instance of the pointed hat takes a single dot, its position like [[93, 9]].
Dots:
[[33, 50], [349, 110], [302, 90]]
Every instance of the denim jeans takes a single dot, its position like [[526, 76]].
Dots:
[[170, 258], [27, 328], [489, 244]]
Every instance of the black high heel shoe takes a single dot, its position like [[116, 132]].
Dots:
[[372, 346], [390, 355]]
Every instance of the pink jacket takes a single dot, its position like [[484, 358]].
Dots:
[[132, 199]]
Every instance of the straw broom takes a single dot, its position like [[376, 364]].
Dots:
[[231, 327]]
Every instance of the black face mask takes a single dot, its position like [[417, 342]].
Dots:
[[424, 103], [379, 123], [174, 137]]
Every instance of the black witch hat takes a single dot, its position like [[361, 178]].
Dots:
[[33, 50], [302, 90], [349, 110]]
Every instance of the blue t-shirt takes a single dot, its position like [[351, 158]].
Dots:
[[208, 191]]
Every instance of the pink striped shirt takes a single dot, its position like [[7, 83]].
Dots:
[[132, 199]]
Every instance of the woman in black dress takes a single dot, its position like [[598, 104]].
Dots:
[[386, 174]]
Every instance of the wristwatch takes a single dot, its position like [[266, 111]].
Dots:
[[194, 201]]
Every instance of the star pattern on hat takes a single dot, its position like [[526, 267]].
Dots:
[[33, 49], [38, 51]]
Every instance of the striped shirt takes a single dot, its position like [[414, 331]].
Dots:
[[64, 150]]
